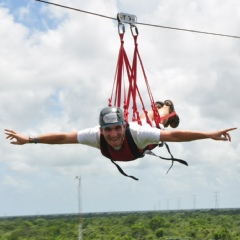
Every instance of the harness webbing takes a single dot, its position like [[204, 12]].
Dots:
[[173, 159], [122, 172], [137, 153], [130, 90]]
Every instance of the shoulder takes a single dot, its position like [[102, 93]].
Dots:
[[144, 135], [134, 126], [89, 136], [88, 131]]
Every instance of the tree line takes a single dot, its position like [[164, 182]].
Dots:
[[165, 225]]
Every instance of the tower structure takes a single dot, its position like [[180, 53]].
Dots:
[[79, 209], [216, 199], [194, 201]]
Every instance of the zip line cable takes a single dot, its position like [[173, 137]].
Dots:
[[76, 9], [188, 30], [145, 24]]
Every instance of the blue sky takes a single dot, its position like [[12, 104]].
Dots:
[[57, 68], [33, 14]]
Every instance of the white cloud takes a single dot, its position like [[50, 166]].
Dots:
[[57, 73], [18, 184]]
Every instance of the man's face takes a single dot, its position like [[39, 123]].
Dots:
[[114, 135]]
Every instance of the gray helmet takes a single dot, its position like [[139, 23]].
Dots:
[[110, 116]]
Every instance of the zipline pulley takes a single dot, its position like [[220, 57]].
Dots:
[[126, 18]]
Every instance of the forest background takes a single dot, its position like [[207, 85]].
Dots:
[[166, 225]]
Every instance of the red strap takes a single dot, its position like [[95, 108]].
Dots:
[[132, 96], [154, 108]]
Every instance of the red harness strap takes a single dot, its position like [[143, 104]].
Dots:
[[132, 95]]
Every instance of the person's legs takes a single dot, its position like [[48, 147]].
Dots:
[[174, 120], [164, 110], [159, 105]]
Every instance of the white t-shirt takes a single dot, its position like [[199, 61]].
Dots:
[[142, 135]]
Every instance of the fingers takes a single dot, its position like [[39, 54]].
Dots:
[[15, 137], [231, 129], [228, 136], [15, 143], [9, 131], [11, 135], [225, 136]]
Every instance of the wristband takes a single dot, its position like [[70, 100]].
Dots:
[[33, 139]]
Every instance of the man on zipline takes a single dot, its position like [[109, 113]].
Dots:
[[112, 129], [119, 140]]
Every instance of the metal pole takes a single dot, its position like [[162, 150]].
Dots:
[[79, 209]]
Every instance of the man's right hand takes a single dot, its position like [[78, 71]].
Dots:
[[16, 138]]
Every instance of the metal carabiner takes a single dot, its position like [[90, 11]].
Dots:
[[135, 32], [121, 28]]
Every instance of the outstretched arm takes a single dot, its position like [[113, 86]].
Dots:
[[185, 136], [49, 138]]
